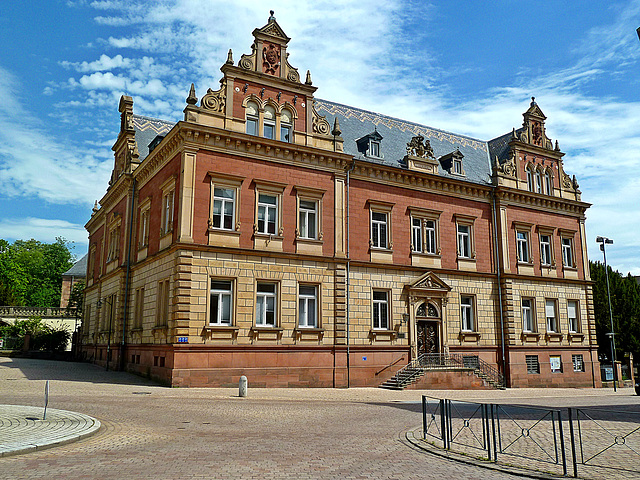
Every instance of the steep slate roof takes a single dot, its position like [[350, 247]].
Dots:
[[79, 268], [356, 123]]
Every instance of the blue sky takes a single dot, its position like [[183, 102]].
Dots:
[[464, 66]]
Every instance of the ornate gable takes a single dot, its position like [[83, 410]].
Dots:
[[429, 284], [533, 130]]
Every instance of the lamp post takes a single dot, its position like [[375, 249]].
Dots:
[[604, 241], [110, 303]]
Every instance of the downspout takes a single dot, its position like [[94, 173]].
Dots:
[[126, 284], [498, 269], [349, 170]]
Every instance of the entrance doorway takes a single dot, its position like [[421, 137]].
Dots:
[[428, 341]]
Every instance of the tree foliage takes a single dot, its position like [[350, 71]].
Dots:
[[31, 272], [625, 309], [43, 337]]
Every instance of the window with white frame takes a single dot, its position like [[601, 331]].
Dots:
[[220, 302], [380, 310], [374, 148], [114, 243], [223, 215], [555, 363], [578, 362], [269, 122], [572, 316], [522, 240], [430, 237], [527, 315], [267, 213], [545, 249], [529, 173], [416, 235], [550, 314], [379, 229], [308, 219], [307, 306], [457, 166], [548, 183], [538, 181], [266, 296], [464, 240], [143, 224], [252, 116], [424, 230], [168, 200], [466, 313], [286, 126], [567, 252]]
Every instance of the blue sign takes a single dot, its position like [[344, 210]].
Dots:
[[183, 339], [364, 359]]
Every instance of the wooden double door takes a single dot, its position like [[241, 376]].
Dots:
[[428, 336]]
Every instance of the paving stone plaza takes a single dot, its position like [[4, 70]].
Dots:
[[148, 431]]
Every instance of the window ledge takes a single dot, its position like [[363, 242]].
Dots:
[[469, 336], [266, 329], [424, 254], [553, 336], [221, 328], [575, 336], [314, 334], [381, 249], [223, 231], [159, 328], [272, 236], [314, 241], [571, 268], [530, 336], [381, 332], [136, 330], [308, 330]]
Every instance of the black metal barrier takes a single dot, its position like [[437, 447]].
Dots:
[[601, 440]]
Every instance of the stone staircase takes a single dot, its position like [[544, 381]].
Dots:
[[425, 363]]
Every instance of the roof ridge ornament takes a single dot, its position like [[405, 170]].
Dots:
[[271, 17], [192, 99]]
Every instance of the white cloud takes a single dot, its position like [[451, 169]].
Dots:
[[45, 230]]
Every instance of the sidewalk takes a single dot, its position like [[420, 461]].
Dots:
[[23, 430]]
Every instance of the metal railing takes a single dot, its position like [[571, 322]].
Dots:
[[438, 361], [26, 312], [605, 439]]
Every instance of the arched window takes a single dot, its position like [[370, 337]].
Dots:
[[548, 183], [269, 122], [285, 126], [538, 181], [529, 179], [252, 118]]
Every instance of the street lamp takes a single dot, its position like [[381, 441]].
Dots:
[[99, 305], [604, 241]]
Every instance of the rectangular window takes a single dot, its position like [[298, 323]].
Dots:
[[162, 318], [533, 365], [572, 315], [378, 230], [466, 314], [380, 310], [167, 212], [285, 133], [266, 304], [567, 252], [223, 208], [464, 241], [220, 302], [139, 308], [457, 166], [578, 363], [308, 219], [307, 306], [527, 315], [550, 313], [143, 235], [416, 235], [267, 213], [545, 249], [252, 126], [522, 239], [555, 362], [269, 130], [374, 149], [430, 237]]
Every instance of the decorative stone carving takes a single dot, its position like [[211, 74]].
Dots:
[[215, 100], [566, 180], [509, 166], [320, 124], [192, 99], [270, 59], [292, 72], [419, 147], [248, 61]]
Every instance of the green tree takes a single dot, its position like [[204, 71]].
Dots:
[[625, 309], [31, 272]]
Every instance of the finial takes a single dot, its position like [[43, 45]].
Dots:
[[336, 132], [272, 18], [513, 133], [533, 101], [95, 207], [557, 146], [230, 57], [192, 99], [308, 80]]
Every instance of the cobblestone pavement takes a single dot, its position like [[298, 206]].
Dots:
[[160, 433], [26, 429]]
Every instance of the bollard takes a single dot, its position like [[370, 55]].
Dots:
[[242, 387]]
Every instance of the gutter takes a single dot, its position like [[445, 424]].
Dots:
[[127, 277]]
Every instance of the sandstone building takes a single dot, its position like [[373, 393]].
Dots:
[[301, 242]]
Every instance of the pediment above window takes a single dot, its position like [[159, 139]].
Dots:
[[429, 284]]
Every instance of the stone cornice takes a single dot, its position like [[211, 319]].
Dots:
[[164, 152], [529, 148], [110, 199], [422, 181], [535, 201], [233, 72]]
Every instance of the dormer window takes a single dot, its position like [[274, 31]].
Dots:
[[369, 145], [452, 162], [457, 166]]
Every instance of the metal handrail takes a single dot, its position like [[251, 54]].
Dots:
[[435, 361]]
